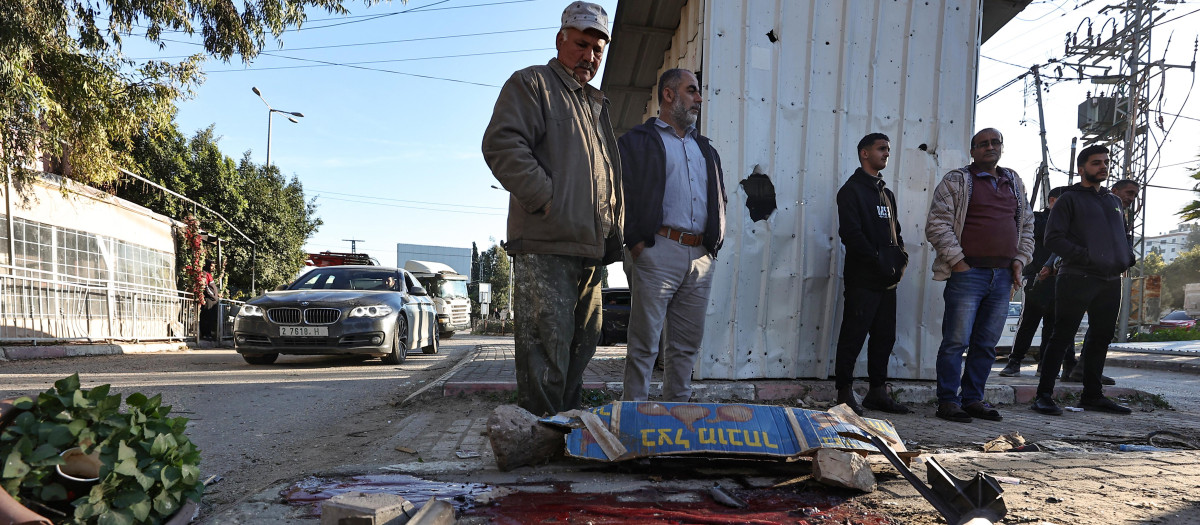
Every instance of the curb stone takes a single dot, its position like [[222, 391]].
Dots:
[[17, 353]]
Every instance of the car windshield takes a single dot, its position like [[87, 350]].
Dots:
[[453, 289], [345, 279], [1177, 315]]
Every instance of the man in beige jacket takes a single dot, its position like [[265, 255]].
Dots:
[[550, 144], [980, 224]]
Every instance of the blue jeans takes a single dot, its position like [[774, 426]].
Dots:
[[976, 307]]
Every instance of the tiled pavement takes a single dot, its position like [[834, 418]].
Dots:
[[1085, 482], [491, 370]]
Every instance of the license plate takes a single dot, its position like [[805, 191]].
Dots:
[[303, 331]]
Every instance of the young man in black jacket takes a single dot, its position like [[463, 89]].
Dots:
[[875, 262], [1087, 230]]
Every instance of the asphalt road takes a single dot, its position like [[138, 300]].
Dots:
[[256, 425]]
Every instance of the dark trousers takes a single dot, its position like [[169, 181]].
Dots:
[[1038, 308], [866, 312], [556, 302], [1076, 295]]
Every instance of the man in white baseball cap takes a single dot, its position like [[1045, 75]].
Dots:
[[550, 144]]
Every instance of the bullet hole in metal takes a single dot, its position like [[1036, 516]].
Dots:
[[760, 194], [923, 147], [771, 36]]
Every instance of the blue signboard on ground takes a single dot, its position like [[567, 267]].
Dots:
[[652, 429]]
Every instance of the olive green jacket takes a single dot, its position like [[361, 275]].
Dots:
[[539, 145]]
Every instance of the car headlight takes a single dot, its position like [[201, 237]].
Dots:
[[378, 310], [249, 310]]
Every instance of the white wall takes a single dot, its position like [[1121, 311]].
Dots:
[[797, 107]]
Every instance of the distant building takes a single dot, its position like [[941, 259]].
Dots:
[[457, 258], [1171, 244]]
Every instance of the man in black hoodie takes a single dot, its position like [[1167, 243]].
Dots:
[[1038, 307], [1087, 230], [875, 262]]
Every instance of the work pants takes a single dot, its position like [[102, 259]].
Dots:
[[1076, 295], [556, 325], [671, 285], [866, 312]]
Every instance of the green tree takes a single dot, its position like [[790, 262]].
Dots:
[[258, 200], [67, 90], [1183, 270], [494, 268], [1153, 264]]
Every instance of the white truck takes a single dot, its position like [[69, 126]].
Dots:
[[448, 289]]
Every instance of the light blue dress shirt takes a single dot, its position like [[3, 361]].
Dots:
[[685, 200]]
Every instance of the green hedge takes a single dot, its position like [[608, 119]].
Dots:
[[1170, 334]]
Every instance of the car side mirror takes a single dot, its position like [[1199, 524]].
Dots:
[[417, 290]]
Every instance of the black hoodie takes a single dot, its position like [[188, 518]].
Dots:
[[867, 225], [1087, 229]]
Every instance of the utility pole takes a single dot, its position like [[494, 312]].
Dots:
[[354, 244], [1043, 174], [1120, 118]]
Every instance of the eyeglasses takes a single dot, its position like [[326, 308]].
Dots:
[[985, 143]]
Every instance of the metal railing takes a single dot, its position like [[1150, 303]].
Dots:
[[40, 307]]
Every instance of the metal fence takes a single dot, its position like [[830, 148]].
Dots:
[[40, 307]]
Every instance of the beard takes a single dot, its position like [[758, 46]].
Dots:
[[1095, 178], [681, 115]]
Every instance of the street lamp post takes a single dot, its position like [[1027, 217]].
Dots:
[[270, 113]]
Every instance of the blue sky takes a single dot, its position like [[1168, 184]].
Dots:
[[393, 157]]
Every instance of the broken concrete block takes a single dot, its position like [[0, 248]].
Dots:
[[360, 508], [518, 439], [838, 468]]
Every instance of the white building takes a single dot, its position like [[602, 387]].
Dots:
[[1171, 244], [78, 264], [790, 86], [457, 258]]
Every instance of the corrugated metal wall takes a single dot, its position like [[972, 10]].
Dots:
[[791, 86]]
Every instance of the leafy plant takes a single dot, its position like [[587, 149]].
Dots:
[[149, 467]]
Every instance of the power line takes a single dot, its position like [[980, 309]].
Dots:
[[371, 61], [1003, 62], [402, 200], [415, 207], [365, 18], [358, 44], [430, 77]]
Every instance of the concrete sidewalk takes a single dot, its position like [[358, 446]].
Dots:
[[490, 368]]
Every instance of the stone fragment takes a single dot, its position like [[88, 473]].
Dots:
[[838, 468], [361, 508], [518, 439]]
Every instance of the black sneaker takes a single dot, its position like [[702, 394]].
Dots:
[[1013, 369], [1104, 404], [1105, 380], [1044, 404], [953, 412], [982, 410]]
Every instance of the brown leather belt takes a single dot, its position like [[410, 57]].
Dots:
[[684, 238]]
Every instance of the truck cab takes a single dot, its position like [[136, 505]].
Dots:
[[448, 289]]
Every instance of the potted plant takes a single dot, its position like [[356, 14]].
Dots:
[[148, 467]]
